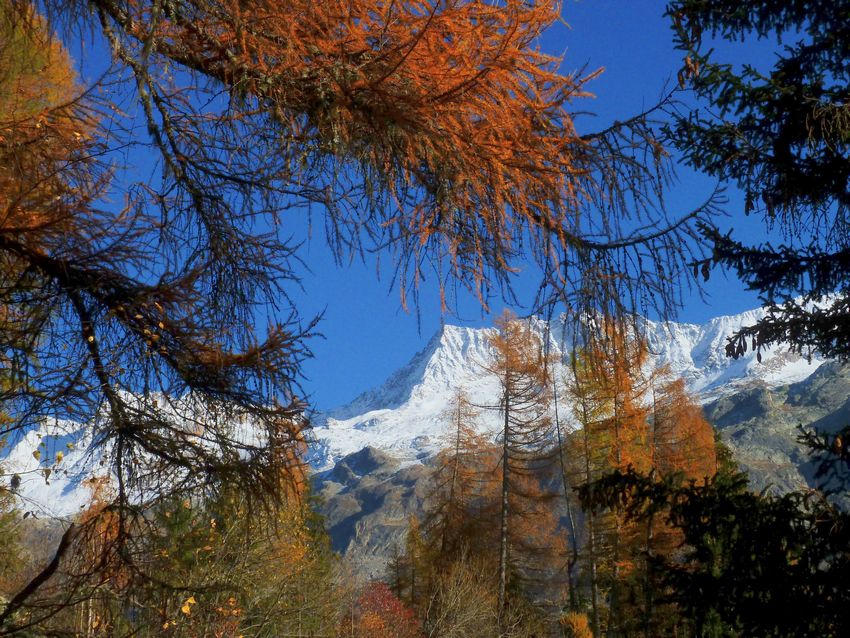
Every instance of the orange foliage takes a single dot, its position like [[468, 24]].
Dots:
[[652, 423], [451, 98], [576, 625], [380, 614], [615, 365], [458, 478], [36, 75], [289, 446], [99, 541], [682, 437], [42, 131], [520, 359], [635, 417]]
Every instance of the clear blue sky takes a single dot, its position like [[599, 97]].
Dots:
[[367, 335]]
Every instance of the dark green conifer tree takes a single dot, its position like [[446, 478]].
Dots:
[[782, 135]]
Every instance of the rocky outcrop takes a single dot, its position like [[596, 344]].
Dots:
[[760, 425], [366, 500]]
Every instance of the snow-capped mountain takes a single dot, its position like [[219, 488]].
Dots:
[[405, 416], [697, 353], [55, 466]]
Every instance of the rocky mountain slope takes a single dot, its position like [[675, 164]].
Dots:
[[367, 499], [760, 424]]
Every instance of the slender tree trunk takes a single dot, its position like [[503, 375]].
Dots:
[[648, 581], [503, 538], [572, 562], [591, 532], [614, 611], [453, 485]]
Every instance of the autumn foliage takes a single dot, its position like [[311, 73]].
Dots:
[[44, 137], [379, 614], [638, 419], [448, 107], [435, 130]]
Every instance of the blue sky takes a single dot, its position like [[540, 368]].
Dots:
[[366, 333]]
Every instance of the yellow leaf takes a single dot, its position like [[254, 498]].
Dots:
[[186, 608], [59, 457], [37, 455]]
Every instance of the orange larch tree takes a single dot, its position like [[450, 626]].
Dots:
[[683, 440], [682, 447], [632, 417], [618, 365], [438, 127], [522, 367], [587, 453], [462, 484]]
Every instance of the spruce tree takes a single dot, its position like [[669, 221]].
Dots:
[[782, 135]]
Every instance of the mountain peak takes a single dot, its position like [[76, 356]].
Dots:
[[405, 415]]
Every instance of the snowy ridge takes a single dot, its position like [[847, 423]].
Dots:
[[55, 466], [406, 415], [456, 358], [697, 353]]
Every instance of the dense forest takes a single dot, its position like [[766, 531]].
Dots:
[[158, 311]]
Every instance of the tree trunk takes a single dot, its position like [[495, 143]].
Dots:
[[454, 475], [591, 531], [614, 607], [572, 561], [503, 538]]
